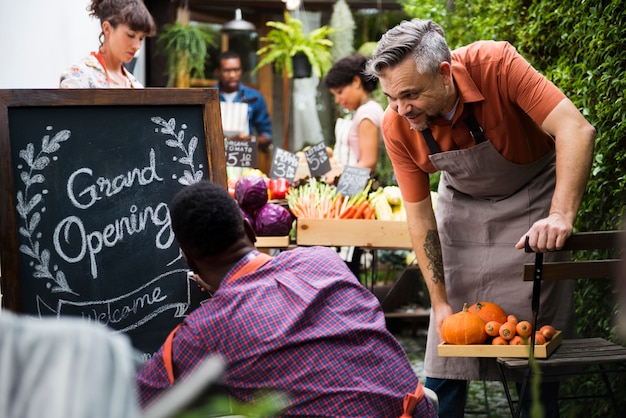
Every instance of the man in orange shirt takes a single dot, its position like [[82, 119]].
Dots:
[[514, 155]]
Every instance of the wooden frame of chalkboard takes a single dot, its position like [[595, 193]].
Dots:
[[85, 179]]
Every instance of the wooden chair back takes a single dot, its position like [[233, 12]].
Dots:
[[587, 268]]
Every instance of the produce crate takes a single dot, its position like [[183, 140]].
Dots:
[[366, 233], [273, 242], [487, 350]]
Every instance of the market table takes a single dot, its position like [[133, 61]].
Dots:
[[370, 235]]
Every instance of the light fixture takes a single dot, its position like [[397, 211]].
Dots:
[[238, 25], [292, 4]]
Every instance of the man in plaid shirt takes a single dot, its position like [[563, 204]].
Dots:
[[298, 324]]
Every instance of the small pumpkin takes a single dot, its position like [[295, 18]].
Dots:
[[489, 311], [463, 328]]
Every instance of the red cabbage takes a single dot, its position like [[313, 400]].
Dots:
[[247, 216], [251, 193], [272, 220]]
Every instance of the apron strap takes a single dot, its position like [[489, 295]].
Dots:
[[476, 131], [250, 267], [411, 400], [430, 141]]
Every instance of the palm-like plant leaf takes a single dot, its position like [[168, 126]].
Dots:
[[188, 44], [288, 38]]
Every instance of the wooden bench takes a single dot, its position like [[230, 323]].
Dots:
[[573, 356]]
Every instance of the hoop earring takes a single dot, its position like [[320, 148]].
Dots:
[[101, 39]]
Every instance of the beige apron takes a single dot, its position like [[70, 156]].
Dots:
[[485, 204]]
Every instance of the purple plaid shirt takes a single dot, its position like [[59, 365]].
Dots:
[[301, 325]]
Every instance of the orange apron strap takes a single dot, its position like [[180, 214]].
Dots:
[[167, 355], [250, 267], [411, 400]]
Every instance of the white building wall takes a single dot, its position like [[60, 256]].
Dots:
[[41, 38]]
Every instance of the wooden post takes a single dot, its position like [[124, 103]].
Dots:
[[286, 108]]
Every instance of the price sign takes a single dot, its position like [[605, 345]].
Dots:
[[317, 159], [353, 180], [242, 153], [284, 164]]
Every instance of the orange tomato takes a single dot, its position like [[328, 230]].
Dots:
[[524, 328], [507, 330], [492, 328]]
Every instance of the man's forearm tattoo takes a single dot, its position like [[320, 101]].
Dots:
[[432, 248]]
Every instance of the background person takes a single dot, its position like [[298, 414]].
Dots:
[[360, 144], [514, 155], [299, 324], [358, 140], [231, 89], [125, 24]]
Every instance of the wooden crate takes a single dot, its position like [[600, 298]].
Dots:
[[487, 350], [272, 242], [364, 233]]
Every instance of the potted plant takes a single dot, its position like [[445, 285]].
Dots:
[[186, 47], [288, 39]]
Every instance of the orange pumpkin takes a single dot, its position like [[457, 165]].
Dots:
[[463, 328], [488, 311]]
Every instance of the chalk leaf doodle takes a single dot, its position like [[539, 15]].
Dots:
[[28, 202], [169, 128]]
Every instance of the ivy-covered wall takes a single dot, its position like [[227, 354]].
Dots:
[[580, 45]]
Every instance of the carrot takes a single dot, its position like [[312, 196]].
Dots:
[[360, 208], [297, 211], [539, 338], [334, 212], [547, 331], [368, 212], [524, 328], [518, 340], [507, 330], [499, 341], [348, 213], [492, 328]]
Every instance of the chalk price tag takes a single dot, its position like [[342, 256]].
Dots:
[[242, 153], [284, 164], [353, 180], [318, 160]]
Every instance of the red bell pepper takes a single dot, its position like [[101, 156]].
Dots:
[[279, 187]]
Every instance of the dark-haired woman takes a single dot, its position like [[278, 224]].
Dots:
[[361, 141], [125, 24]]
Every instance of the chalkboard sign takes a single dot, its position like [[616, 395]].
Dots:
[[353, 180], [284, 164], [85, 180], [242, 154], [317, 159]]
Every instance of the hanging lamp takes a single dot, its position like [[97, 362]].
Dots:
[[238, 24]]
